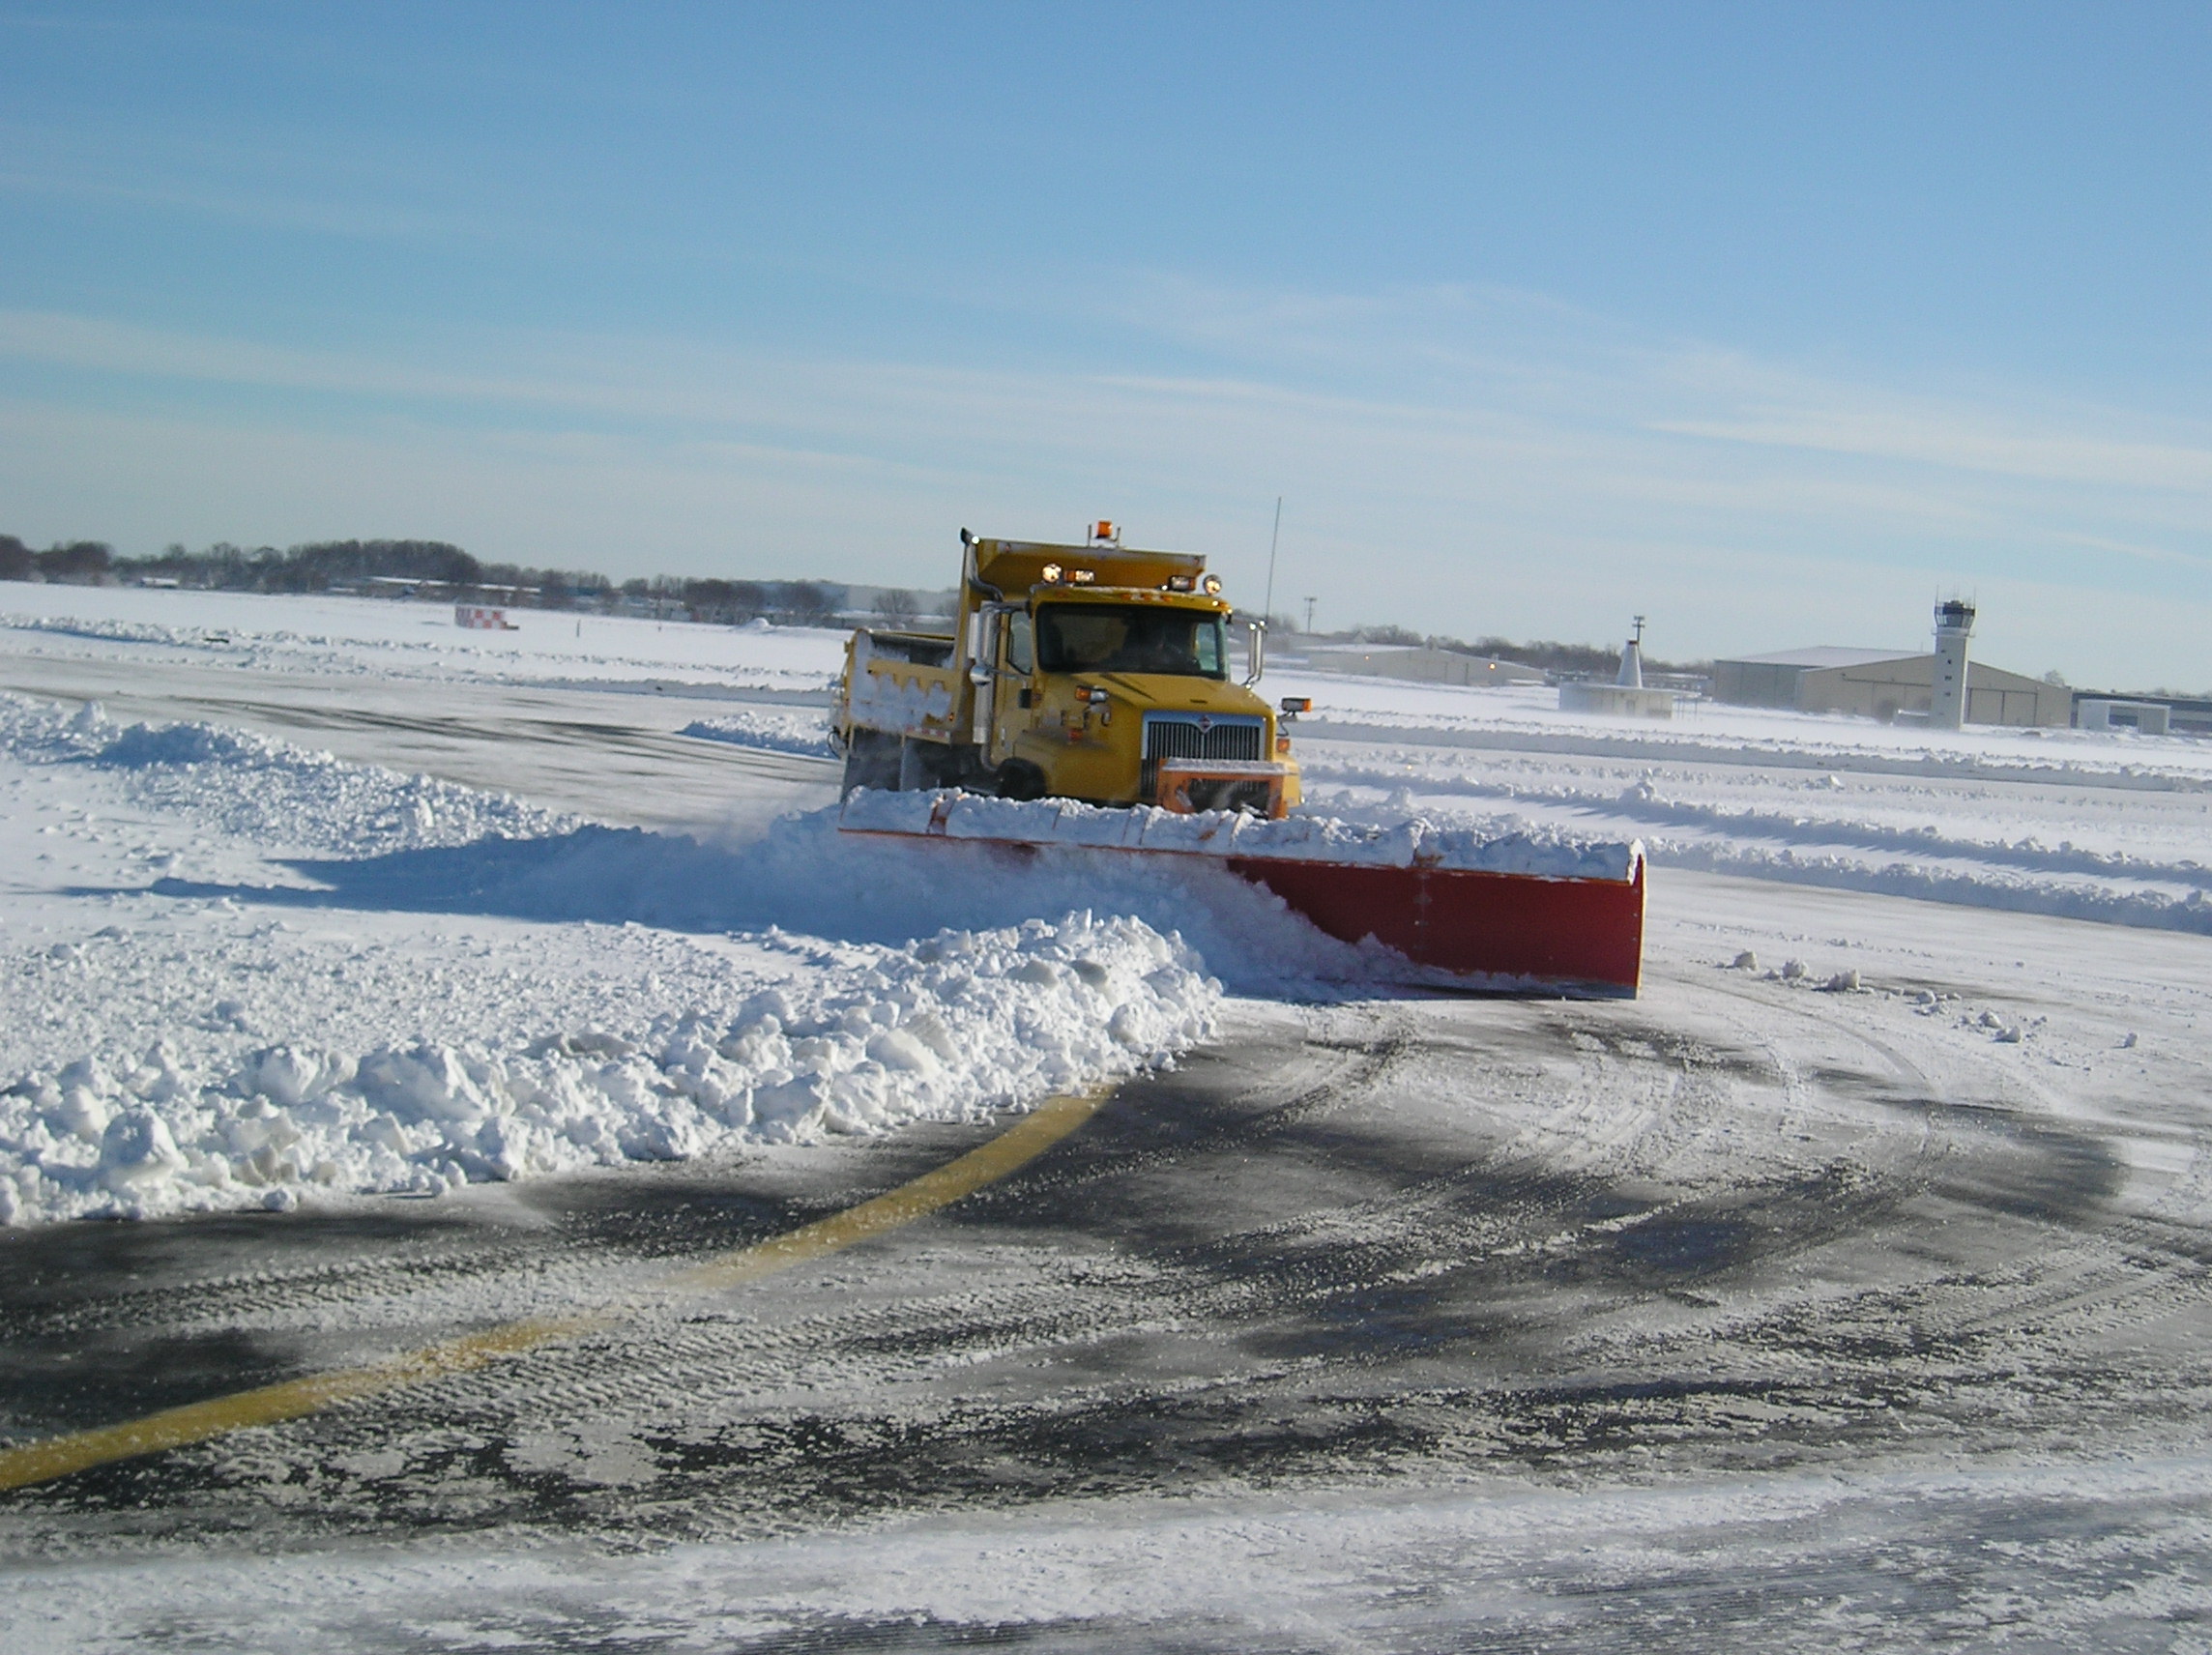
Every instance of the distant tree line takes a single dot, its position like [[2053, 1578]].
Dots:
[[341, 566], [84, 561], [438, 568], [1544, 654], [732, 602]]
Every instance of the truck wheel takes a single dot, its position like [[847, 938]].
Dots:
[[1020, 779]]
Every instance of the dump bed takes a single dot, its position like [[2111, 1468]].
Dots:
[[903, 684]]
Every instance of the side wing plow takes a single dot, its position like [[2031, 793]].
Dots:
[[1521, 912]]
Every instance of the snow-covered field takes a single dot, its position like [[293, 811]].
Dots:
[[1851, 1295], [371, 638], [2090, 825], [230, 984]]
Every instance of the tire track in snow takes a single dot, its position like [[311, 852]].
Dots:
[[2073, 1298], [1332, 1252]]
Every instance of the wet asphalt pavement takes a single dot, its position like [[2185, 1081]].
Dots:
[[1341, 1245]]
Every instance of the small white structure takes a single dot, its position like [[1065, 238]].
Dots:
[[1947, 701], [482, 618], [1625, 697], [2113, 713]]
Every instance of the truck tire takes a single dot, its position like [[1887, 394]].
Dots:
[[1018, 779]]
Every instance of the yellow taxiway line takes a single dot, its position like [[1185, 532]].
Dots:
[[272, 1405]]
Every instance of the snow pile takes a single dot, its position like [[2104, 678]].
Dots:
[[1515, 848], [1973, 882], [948, 1027], [118, 631], [2112, 848], [509, 992], [776, 729], [522, 967], [266, 791], [804, 876]]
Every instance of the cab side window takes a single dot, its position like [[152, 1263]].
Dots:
[[1021, 655], [1210, 653]]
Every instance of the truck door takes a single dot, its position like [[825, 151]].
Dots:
[[1012, 715]]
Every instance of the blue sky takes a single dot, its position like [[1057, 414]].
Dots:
[[1769, 322]]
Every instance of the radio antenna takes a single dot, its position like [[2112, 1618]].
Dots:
[[1268, 608]]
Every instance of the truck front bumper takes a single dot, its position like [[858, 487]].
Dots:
[[1187, 786]]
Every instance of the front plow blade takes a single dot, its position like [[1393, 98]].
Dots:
[[1513, 914], [1494, 930]]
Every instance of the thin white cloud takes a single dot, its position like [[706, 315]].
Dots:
[[1546, 355], [64, 339], [1967, 443], [307, 180], [266, 208], [1570, 477]]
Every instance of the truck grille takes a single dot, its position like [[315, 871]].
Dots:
[[1197, 735]]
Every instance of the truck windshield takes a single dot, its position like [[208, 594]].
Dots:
[[1130, 638]]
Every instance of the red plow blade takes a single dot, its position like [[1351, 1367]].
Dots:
[[1516, 913], [1502, 930]]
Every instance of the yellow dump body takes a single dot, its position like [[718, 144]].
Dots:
[[1091, 672]]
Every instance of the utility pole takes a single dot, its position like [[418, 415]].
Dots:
[[1310, 602]]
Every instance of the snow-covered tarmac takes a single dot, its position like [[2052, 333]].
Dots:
[[1876, 1313]]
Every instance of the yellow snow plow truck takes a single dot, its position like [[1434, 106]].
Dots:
[[1092, 672]]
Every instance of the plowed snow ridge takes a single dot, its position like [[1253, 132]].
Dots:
[[783, 1039]]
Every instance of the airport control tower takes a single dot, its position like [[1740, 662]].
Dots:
[[1954, 625]]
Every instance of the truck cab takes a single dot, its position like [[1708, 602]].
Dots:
[[1089, 671]]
